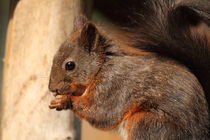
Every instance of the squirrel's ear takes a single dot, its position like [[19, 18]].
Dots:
[[79, 22], [90, 38]]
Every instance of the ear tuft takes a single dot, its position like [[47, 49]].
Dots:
[[79, 22]]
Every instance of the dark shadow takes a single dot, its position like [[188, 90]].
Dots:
[[13, 4], [119, 12], [77, 127]]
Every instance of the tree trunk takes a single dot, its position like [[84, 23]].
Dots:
[[36, 30]]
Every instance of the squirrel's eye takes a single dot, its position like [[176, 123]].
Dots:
[[70, 65]]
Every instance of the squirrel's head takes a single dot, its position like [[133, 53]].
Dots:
[[78, 60]]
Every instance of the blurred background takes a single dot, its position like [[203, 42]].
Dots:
[[31, 31]]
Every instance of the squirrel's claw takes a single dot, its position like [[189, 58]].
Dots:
[[60, 102]]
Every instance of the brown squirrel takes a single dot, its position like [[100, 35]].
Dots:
[[149, 82]]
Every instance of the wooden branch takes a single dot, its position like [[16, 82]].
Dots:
[[36, 30]]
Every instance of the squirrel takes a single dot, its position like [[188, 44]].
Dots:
[[150, 81]]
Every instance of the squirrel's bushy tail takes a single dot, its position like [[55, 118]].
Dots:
[[180, 31]]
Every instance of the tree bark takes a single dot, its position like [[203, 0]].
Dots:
[[36, 30]]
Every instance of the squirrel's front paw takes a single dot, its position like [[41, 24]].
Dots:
[[61, 102]]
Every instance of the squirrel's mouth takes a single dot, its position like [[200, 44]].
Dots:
[[72, 93]]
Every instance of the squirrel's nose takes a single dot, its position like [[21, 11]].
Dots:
[[52, 87]]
